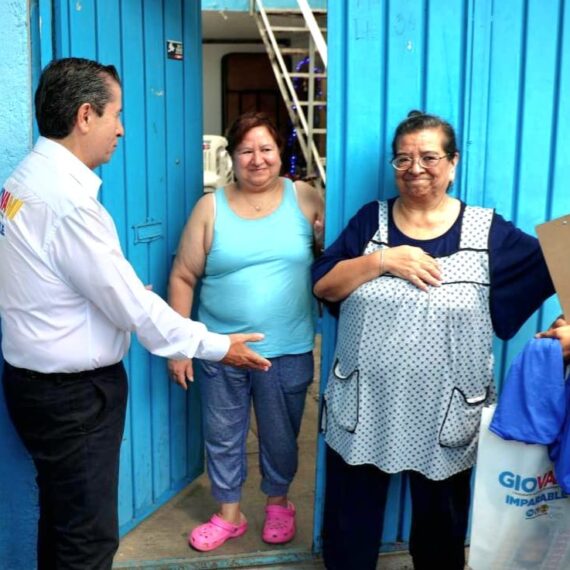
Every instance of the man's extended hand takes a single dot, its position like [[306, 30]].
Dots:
[[242, 356]]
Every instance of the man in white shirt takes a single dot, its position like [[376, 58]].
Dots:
[[68, 303]]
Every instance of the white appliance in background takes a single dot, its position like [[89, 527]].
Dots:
[[217, 162]]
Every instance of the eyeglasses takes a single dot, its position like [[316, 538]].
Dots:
[[405, 162]]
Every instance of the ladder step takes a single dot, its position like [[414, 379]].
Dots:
[[293, 12], [315, 131], [295, 51], [304, 74], [294, 29], [315, 103]]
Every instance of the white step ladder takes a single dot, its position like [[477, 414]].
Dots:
[[307, 116]]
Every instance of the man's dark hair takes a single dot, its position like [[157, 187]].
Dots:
[[65, 85], [418, 121]]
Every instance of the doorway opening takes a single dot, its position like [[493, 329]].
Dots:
[[162, 538], [237, 77]]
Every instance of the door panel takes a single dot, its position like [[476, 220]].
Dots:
[[249, 84], [149, 188]]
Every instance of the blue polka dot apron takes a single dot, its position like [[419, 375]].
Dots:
[[412, 370]]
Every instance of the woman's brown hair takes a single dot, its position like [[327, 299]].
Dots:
[[244, 123]]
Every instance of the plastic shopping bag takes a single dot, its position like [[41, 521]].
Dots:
[[521, 517]]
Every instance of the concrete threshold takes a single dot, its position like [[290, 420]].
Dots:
[[272, 560]]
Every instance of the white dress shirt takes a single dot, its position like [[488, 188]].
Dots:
[[68, 297]]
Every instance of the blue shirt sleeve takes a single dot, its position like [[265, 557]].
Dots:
[[520, 281], [349, 244]]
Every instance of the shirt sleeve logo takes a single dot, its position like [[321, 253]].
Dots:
[[9, 207]]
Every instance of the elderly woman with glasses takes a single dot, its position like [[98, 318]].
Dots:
[[421, 281]]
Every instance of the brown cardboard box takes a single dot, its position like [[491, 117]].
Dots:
[[554, 238]]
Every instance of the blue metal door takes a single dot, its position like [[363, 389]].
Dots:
[[500, 72], [149, 187]]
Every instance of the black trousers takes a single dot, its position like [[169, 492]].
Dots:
[[355, 501], [72, 426]]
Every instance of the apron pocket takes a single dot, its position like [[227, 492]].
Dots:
[[342, 397], [462, 418]]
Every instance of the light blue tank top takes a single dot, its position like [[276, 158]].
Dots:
[[257, 277]]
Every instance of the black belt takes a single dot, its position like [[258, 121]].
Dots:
[[61, 376]]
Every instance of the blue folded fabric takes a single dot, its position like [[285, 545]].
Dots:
[[534, 406]]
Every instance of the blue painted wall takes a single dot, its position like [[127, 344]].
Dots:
[[18, 498], [500, 73]]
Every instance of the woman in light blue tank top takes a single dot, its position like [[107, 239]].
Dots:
[[251, 244]]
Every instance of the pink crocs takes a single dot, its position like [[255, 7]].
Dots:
[[279, 526], [214, 533]]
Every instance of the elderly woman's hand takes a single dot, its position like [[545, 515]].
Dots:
[[412, 264]]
